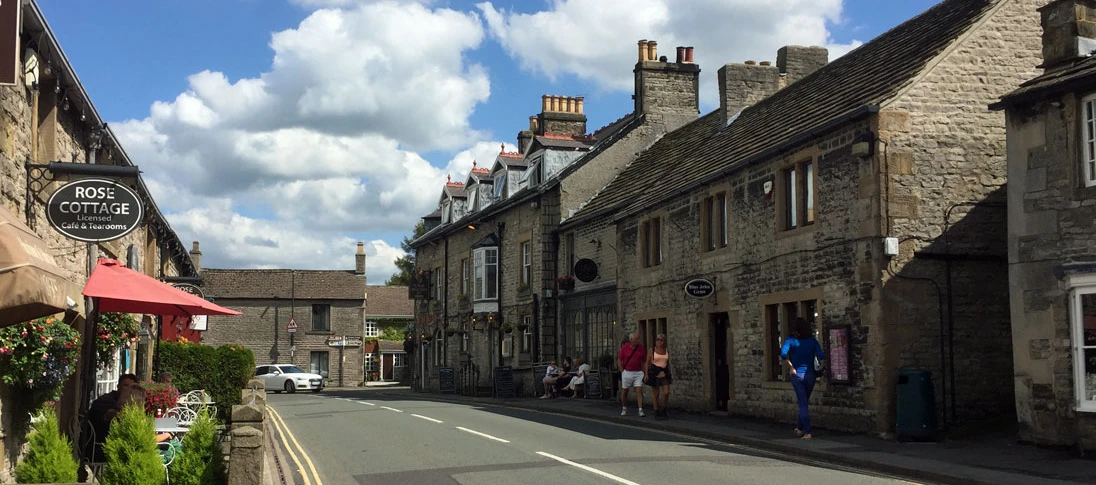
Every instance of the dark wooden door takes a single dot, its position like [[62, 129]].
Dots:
[[386, 366]]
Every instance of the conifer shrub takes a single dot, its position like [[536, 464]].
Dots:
[[200, 463], [131, 453], [49, 459]]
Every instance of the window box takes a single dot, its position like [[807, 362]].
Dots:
[[565, 282]]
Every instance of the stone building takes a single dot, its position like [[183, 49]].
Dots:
[[492, 259], [865, 195], [389, 318], [330, 321], [1051, 124], [47, 116]]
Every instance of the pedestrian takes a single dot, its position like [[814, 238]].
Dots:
[[658, 375], [630, 361], [799, 352], [549, 380]]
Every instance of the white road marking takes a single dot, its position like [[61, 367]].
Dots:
[[482, 434], [589, 469], [367, 403], [426, 418], [391, 409]]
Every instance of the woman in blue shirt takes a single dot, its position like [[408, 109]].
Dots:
[[799, 353]]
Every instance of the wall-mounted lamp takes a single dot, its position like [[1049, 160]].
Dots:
[[471, 227], [83, 116], [65, 102], [862, 145], [57, 87], [767, 188]]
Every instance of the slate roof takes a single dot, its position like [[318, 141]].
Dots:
[[849, 87], [549, 141], [302, 284], [387, 346], [1080, 76], [389, 301]]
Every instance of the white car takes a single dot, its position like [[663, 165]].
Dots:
[[288, 378]]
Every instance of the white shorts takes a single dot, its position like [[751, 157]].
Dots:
[[631, 378]]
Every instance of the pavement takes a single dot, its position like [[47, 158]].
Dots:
[[983, 458]]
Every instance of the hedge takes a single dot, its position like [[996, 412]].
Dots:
[[222, 371]]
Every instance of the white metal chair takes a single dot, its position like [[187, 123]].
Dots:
[[184, 415]]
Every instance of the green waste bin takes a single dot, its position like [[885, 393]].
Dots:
[[916, 405]]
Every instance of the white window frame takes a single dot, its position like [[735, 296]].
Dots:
[[527, 263], [485, 271], [1088, 137], [370, 363], [437, 284], [527, 334], [399, 359], [371, 329], [464, 277], [1080, 285]]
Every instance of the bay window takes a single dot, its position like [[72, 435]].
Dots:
[[486, 263]]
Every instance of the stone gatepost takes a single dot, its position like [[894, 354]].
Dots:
[[246, 451]]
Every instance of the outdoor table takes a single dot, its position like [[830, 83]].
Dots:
[[172, 429]]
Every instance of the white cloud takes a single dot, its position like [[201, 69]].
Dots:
[[596, 39]]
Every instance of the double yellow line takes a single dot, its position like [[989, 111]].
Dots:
[[295, 450]]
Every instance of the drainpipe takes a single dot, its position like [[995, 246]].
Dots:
[[445, 306], [500, 227]]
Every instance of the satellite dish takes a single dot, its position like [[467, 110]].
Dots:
[[30, 68]]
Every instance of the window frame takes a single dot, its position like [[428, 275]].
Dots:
[[437, 284], [399, 359], [778, 310], [327, 319], [371, 329], [650, 242], [650, 327], [797, 196], [1079, 285], [526, 335], [714, 212], [1088, 139], [526, 264], [482, 276], [464, 277], [370, 362], [326, 363]]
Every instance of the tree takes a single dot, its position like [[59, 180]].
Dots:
[[50, 457], [406, 263]]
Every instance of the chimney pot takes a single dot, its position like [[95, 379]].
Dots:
[[196, 257], [643, 50], [652, 50], [689, 54], [544, 103], [680, 54], [533, 122], [359, 259], [571, 105], [555, 104], [766, 63], [751, 63], [578, 104]]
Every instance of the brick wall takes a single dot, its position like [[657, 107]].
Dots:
[[261, 328]]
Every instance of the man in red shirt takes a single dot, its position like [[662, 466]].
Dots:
[[630, 361]]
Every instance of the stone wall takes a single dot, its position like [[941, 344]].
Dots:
[[261, 328], [1051, 222]]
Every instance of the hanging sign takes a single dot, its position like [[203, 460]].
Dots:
[[292, 326], [699, 288], [94, 210], [189, 288]]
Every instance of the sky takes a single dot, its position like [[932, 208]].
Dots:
[[278, 133]]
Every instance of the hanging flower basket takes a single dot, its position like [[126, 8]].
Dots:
[[37, 357], [566, 282], [114, 331]]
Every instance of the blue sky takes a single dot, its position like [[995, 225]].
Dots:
[[279, 132]]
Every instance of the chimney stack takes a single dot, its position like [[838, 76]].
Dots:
[[796, 62], [359, 259], [196, 257], [1069, 32], [559, 114], [666, 93], [741, 85]]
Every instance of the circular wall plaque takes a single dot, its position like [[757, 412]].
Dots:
[[699, 288], [94, 210], [586, 270]]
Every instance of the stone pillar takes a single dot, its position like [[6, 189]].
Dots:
[[247, 455]]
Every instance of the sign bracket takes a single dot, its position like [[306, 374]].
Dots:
[[40, 176]]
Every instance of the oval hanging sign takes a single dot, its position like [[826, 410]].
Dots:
[[94, 210], [699, 288], [189, 288]]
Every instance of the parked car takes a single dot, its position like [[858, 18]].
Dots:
[[288, 378]]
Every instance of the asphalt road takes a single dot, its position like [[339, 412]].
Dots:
[[371, 437]]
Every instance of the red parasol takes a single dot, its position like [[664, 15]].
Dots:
[[120, 289]]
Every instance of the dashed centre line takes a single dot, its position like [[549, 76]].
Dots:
[[391, 409], [426, 418], [610, 476], [477, 433]]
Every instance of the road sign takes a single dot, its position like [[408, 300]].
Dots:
[[292, 326]]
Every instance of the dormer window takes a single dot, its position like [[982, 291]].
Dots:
[[500, 185]]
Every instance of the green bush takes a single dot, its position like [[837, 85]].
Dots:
[[200, 462], [49, 459], [131, 452], [222, 371]]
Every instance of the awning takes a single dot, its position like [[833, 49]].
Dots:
[[31, 284], [120, 289]]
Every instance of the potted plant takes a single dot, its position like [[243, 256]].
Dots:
[[451, 331], [49, 458], [565, 282], [506, 328]]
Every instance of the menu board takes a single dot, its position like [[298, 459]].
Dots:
[[504, 382], [593, 385], [839, 355], [539, 371], [446, 380]]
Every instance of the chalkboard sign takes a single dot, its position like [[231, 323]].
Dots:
[[539, 370], [593, 385], [447, 380], [504, 382]]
